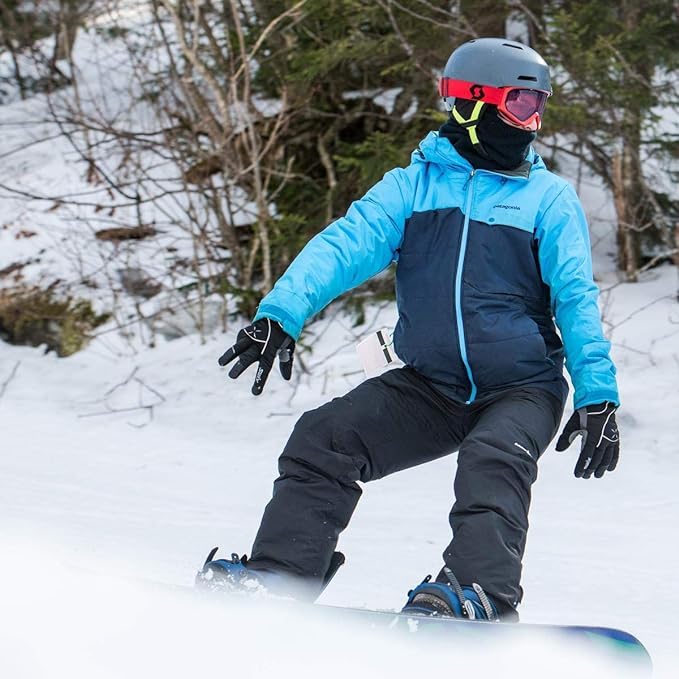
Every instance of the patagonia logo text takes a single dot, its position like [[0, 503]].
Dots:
[[506, 207]]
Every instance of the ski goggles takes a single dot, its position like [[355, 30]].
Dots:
[[518, 106]]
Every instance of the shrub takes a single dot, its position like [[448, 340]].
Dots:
[[34, 316]]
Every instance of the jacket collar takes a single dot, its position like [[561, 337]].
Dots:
[[438, 150]]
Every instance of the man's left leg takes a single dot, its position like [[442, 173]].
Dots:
[[497, 465]]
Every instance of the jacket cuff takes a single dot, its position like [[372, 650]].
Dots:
[[594, 397], [289, 323]]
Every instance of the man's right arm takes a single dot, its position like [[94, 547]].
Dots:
[[345, 254]]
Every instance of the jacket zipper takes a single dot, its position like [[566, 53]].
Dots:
[[458, 287]]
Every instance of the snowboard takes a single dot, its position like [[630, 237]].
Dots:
[[613, 646], [618, 646]]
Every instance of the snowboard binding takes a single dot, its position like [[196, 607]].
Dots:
[[226, 574], [234, 575], [451, 600]]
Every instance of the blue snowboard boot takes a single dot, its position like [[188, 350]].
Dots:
[[234, 575], [230, 575], [451, 600]]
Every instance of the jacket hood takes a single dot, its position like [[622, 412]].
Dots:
[[438, 150]]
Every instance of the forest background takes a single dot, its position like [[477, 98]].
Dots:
[[231, 132]]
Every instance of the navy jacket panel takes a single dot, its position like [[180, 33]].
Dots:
[[426, 335]]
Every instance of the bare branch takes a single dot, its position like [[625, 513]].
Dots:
[[12, 375], [141, 406]]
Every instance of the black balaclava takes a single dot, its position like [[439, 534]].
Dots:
[[505, 146]]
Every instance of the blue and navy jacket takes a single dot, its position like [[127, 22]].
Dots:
[[485, 261]]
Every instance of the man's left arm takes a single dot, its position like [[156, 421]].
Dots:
[[566, 264]]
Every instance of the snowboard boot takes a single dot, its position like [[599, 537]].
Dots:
[[451, 600], [231, 575], [234, 575]]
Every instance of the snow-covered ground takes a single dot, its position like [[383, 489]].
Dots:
[[146, 493], [119, 464]]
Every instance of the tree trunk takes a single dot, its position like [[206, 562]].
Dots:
[[626, 197], [66, 29], [631, 202], [9, 33]]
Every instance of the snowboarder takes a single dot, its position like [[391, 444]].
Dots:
[[490, 247]]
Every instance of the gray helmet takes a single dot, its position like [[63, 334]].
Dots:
[[498, 63]]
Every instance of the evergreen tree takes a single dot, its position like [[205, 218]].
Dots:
[[614, 69], [361, 78]]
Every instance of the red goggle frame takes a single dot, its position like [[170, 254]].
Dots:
[[519, 106]]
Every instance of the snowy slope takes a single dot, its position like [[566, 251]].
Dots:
[[120, 494], [53, 209]]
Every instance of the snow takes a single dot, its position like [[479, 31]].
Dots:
[[71, 624], [146, 494], [57, 241], [123, 462]]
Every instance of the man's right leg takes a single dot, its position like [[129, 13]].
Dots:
[[384, 425]]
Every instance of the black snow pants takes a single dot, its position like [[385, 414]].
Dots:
[[396, 421]]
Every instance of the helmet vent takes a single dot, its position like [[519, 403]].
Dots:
[[516, 47], [532, 78]]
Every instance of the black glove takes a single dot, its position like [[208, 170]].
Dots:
[[261, 341], [600, 445]]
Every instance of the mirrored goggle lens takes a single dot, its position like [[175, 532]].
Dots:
[[522, 104]]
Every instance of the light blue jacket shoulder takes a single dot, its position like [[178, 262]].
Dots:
[[346, 253]]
